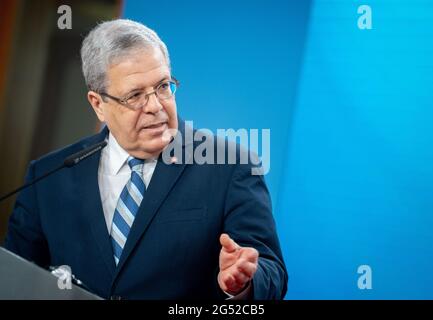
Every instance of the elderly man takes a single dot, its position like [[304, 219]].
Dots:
[[131, 225]]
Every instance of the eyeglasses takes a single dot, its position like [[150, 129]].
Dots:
[[138, 99]]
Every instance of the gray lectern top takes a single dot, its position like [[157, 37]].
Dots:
[[21, 279]]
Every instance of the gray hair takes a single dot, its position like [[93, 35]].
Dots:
[[110, 41]]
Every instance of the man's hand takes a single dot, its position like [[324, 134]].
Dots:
[[237, 265]]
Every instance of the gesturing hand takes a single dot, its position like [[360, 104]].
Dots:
[[237, 265]]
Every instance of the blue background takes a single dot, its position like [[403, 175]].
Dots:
[[350, 113]]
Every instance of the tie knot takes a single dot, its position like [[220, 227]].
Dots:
[[135, 164]]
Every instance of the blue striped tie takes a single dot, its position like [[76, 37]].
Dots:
[[127, 207]]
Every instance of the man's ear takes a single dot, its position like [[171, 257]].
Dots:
[[96, 102]]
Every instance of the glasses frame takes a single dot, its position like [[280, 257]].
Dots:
[[122, 101]]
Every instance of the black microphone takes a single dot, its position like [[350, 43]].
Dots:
[[70, 161]]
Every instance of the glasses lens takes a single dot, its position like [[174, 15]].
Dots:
[[135, 99], [173, 87], [166, 90]]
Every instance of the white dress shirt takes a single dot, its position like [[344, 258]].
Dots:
[[114, 173]]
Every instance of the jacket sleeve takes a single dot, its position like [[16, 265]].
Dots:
[[249, 221], [25, 235]]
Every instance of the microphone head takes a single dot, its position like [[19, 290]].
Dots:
[[72, 160]]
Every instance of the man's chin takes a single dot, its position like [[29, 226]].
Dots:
[[150, 150]]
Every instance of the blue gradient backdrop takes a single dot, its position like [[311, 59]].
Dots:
[[350, 113]]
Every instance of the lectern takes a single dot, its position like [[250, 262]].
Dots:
[[21, 279]]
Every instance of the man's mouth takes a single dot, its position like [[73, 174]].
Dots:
[[156, 129], [155, 125]]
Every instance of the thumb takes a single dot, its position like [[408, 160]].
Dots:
[[228, 244]]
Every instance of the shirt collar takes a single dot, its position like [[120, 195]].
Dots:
[[116, 154]]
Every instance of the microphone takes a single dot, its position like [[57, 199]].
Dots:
[[70, 161]]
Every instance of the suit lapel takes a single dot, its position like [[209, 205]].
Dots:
[[86, 179]]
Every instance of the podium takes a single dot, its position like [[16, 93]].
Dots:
[[21, 279]]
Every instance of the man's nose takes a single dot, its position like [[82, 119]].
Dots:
[[153, 105]]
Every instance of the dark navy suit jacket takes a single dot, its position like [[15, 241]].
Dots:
[[173, 247]]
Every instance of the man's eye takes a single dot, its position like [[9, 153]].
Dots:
[[134, 96], [164, 86]]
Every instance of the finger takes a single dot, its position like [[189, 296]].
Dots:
[[249, 254], [226, 260], [227, 282], [228, 244], [248, 268], [240, 278], [233, 286]]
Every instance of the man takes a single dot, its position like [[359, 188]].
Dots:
[[131, 225]]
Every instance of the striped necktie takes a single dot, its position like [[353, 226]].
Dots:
[[127, 207]]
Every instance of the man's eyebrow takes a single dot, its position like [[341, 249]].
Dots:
[[166, 78]]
